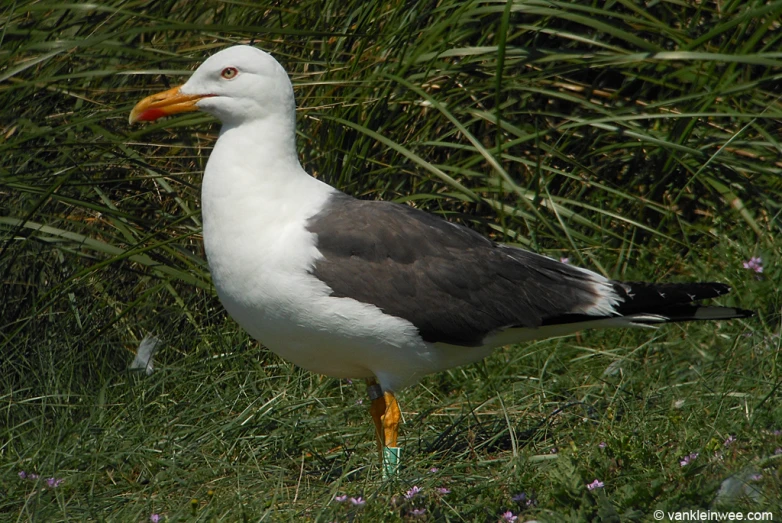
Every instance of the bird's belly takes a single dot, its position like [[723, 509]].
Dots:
[[313, 350], [294, 316]]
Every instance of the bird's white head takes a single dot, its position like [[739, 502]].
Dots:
[[237, 84]]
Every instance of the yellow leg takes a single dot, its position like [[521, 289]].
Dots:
[[386, 415], [391, 420]]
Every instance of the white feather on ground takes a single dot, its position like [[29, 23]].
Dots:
[[145, 353]]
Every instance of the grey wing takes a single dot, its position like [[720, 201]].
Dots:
[[453, 284]]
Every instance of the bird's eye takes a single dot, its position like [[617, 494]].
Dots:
[[229, 73]]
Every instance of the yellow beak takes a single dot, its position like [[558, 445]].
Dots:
[[163, 104]]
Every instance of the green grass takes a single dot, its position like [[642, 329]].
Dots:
[[642, 142]]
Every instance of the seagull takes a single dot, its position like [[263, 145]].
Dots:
[[373, 289]]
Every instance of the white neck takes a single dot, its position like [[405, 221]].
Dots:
[[255, 164], [257, 144], [254, 193]]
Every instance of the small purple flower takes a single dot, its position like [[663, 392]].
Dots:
[[434, 470], [688, 459], [359, 501], [508, 517], [340, 499], [154, 518], [602, 445], [730, 441], [554, 450], [595, 484], [33, 476], [564, 260], [756, 477], [418, 512], [777, 432], [413, 492], [778, 451], [443, 491], [53, 482], [22, 474], [359, 401], [754, 264]]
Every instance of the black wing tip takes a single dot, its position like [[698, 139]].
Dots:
[[705, 287], [663, 298]]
